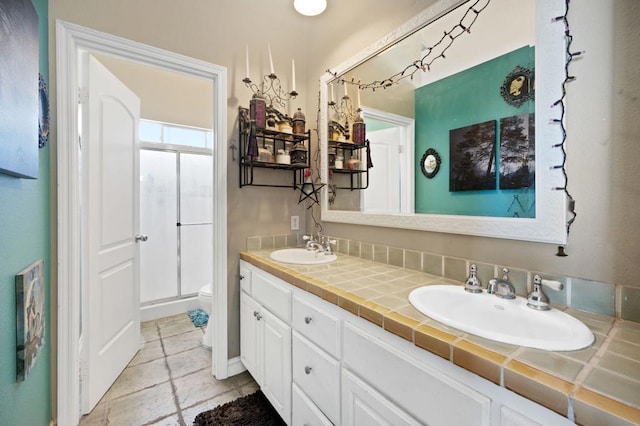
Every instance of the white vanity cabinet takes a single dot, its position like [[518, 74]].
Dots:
[[265, 339], [320, 365]]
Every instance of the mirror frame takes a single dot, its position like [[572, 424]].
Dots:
[[550, 222]]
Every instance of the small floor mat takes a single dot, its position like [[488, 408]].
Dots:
[[251, 410], [199, 317]]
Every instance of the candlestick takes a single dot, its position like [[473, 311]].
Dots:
[[270, 59], [293, 75], [247, 74]]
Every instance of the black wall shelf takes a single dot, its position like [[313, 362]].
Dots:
[[269, 141]]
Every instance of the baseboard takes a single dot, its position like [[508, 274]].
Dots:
[[167, 309], [235, 366]]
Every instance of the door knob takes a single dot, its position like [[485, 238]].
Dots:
[[141, 237]]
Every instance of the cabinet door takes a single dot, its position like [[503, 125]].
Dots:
[[276, 384], [250, 337], [364, 406]]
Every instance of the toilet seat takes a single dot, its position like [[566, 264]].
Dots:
[[206, 291]]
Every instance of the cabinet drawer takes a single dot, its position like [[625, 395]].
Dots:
[[318, 375], [364, 406], [245, 278], [425, 393], [317, 325], [273, 295], [305, 412]]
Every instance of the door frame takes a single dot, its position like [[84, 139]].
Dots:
[[71, 40]]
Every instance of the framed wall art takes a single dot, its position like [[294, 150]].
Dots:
[[30, 317], [472, 152], [19, 89]]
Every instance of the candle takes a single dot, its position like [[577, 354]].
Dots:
[[293, 75], [346, 95], [358, 89], [247, 55], [331, 85], [270, 59]]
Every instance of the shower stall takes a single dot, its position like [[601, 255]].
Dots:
[[176, 210]]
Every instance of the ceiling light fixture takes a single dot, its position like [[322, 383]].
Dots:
[[310, 7]]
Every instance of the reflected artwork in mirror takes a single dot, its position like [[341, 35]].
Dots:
[[417, 90]]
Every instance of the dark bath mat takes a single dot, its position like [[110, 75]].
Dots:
[[251, 410]]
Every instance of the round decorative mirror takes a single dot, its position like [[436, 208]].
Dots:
[[430, 163]]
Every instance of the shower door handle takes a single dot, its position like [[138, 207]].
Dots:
[[141, 237]]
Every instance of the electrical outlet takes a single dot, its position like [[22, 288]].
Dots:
[[295, 223]]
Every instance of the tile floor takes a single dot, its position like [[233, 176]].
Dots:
[[169, 381]]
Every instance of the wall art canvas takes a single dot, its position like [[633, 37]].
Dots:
[[472, 150], [30, 317], [517, 152], [19, 89]]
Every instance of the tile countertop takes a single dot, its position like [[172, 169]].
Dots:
[[599, 384]]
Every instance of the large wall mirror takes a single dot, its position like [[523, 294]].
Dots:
[[462, 131]]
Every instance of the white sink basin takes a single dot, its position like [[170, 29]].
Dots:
[[508, 321], [300, 256]]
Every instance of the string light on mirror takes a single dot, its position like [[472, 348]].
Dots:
[[433, 53], [310, 7], [569, 56]]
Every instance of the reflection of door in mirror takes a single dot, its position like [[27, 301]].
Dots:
[[391, 140]]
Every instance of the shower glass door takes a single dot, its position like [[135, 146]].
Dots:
[[196, 227], [158, 218], [176, 215]]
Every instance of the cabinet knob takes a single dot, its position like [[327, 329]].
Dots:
[[258, 317], [307, 369], [241, 277], [307, 320], [255, 313]]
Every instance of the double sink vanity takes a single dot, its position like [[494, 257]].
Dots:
[[335, 340]]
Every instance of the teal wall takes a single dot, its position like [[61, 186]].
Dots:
[[24, 238], [468, 97]]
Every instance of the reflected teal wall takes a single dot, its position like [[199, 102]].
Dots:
[[24, 238], [468, 97]]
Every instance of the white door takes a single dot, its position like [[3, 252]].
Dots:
[[384, 177], [110, 148]]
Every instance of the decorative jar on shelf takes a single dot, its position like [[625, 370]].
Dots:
[[299, 121], [299, 153]]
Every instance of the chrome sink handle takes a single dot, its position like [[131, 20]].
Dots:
[[327, 243], [472, 283], [537, 299]]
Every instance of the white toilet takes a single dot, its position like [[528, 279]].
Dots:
[[205, 297]]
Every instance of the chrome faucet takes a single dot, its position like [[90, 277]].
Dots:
[[321, 245], [502, 287], [537, 299]]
